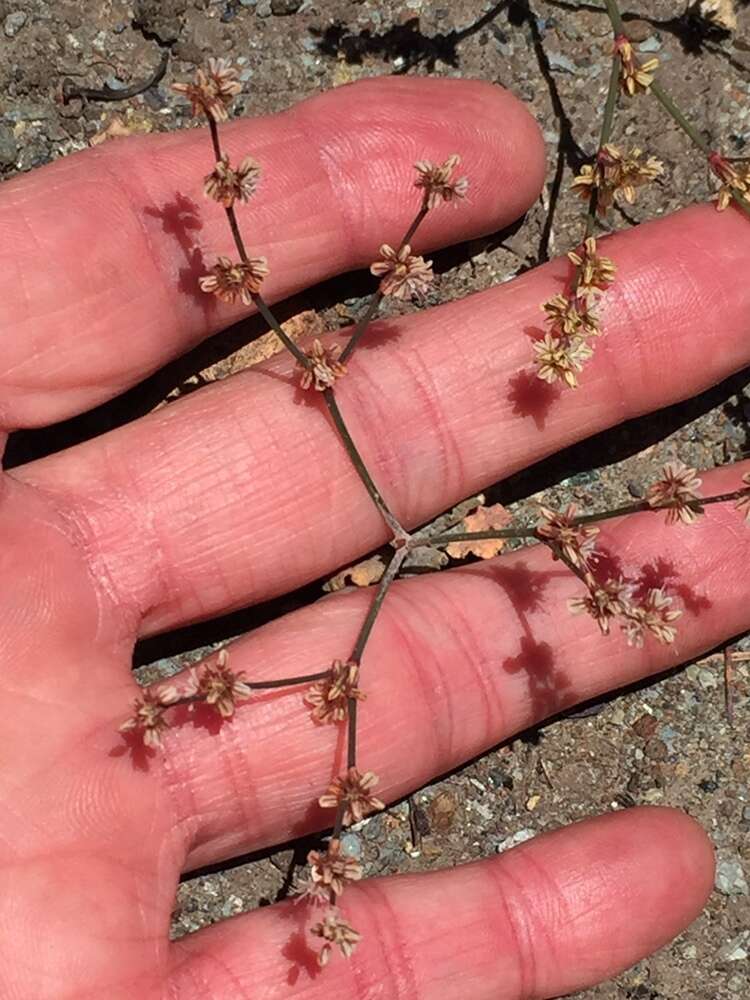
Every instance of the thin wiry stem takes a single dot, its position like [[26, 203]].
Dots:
[[374, 304], [258, 300], [419, 541], [358, 462], [669, 105], [604, 137], [391, 572]]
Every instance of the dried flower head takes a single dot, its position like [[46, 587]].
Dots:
[[655, 615], [573, 315], [735, 179], [221, 687], [402, 274], [575, 540], [604, 601], [227, 185], [616, 174], [744, 501], [334, 930], [560, 358], [324, 369], [436, 181], [229, 281], [355, 791], [329, 698], [635, 77], [594, 271], [213, 89], [330, 871], [148, 716], [677, 487]]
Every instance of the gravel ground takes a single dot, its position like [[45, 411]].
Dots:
[[667, 742]]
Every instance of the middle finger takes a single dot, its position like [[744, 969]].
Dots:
[[243, 491]]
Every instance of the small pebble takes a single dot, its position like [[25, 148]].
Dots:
[[730, 878], [737, 949], [285, 6], [14, 22], [351, 845], [8, 147], [650, 44], [515, 839]]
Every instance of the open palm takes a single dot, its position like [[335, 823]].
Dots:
[[238, 493]]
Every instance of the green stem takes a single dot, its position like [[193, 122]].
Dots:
[[604, 137], [399, 533]]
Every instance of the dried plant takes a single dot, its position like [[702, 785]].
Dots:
[[574, 323]]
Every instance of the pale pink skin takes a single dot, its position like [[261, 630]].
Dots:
[[240, 492]]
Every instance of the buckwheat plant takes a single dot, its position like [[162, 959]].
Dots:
[[574, 324]]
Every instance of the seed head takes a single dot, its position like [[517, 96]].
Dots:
[[355, 791], [329, 698], [148, 717], [221, 687], [595, 272], [212, 90], [227, 185], [560, 358], [402, 274], [436, 181], [678, 487], [325, 367], [577, 541], [229, 281], [655, 615], [635, 77]]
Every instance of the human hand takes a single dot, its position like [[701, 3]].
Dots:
[[238, 493]]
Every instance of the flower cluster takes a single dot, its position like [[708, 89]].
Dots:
[[610, 598], [734, 177], [402, 274], [635, 77], [213, 684], [330, 871], [227, 184], [213, 90], [353, 791], [436, 181], [323, 369], [229, 281], [677, 490], [573, 317], [329, 698], [615, 174]]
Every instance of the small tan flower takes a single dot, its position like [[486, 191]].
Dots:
[[635, 77], [734, 180], [213, 89], [604, 602], [653, 615], [334, 930], [594, 271], [148, 717], [329, 698], [355, 790], [331, 870], [221, 687], [325, 367], [560, 358], [229, 281], [678, 487], [227, 185], [575, 316], [744, 501], [575, 540], [402, 274], [436, 181], [616, 174]]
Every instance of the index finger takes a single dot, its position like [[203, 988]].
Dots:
[[101, 253]]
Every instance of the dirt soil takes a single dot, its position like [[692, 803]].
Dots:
[[667, 742]]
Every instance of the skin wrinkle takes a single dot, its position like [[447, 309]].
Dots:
[[392, 941], [447, 453], [397, 617]]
